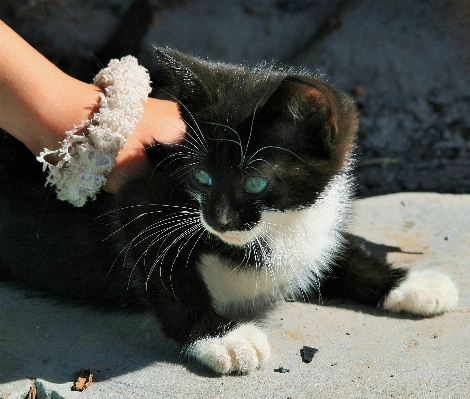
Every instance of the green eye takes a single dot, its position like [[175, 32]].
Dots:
[[256, 185], [202, 177]]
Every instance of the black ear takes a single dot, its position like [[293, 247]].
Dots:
[[319, 118], [177, 74]]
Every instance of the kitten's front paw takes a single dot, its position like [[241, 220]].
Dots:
[[424, 293], [242, 350]]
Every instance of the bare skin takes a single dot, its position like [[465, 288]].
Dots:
[[39, 103]]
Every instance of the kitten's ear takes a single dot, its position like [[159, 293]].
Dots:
[[325, 118], [177, 74]]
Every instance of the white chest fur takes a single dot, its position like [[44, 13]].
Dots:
[[302, 244]]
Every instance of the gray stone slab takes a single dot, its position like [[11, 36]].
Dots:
[[363, 352], [409, 59], [234, 31]]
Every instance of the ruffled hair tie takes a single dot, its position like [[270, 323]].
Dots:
[[87, 159]]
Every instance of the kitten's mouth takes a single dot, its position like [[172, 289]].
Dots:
[[233, 237]]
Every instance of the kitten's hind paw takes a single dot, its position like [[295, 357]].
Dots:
[[424, 293], [242, 350]]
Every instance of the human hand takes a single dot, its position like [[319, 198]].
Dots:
[[160, 122], [39, 103]]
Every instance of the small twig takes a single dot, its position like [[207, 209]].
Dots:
[[83, 381]]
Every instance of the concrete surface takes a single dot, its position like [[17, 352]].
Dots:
[[363, 352]]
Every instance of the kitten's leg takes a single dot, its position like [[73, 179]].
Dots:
[[366, 279], [241, 350], [423, 292], [218, 342], [175, 289]]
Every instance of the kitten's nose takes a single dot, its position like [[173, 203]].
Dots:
[[221, 216], [220, 224]]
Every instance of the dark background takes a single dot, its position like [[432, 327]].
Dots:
[[407, 63]]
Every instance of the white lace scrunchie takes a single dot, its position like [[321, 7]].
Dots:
[[86, 159]]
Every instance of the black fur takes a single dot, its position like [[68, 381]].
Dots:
[[145, 244]]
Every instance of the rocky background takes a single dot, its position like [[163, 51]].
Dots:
[[407, 63]]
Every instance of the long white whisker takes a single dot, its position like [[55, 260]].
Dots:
[[128, 223], [203, 231], [251, 127], [194, 142], [165, 251], [278, 148], [184, 208], [132, 243], [196, 154], [159, 223], [272, 167], [198, 133], [225, 126], [238, 143], [235, 142], [190, 233], [182, 170], [176, 157]]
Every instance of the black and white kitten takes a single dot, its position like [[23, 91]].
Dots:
[[251, 207]]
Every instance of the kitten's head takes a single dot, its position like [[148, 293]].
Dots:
[[256, 140]]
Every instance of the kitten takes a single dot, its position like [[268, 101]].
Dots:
[[250, 208]]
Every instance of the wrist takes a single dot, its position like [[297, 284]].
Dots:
[[68, 106], [39, 102], [86, 158], [160, 122]]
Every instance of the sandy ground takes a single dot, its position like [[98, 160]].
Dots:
[[363, 352]]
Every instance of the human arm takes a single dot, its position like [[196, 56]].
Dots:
[[39, 103]]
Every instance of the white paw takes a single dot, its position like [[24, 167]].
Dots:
[[241, 350], [424, 293]]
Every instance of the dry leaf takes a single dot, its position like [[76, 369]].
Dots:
[[83, 381], [32, 391]]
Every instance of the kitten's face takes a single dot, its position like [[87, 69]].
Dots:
[[256, 142], [243, 169]]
